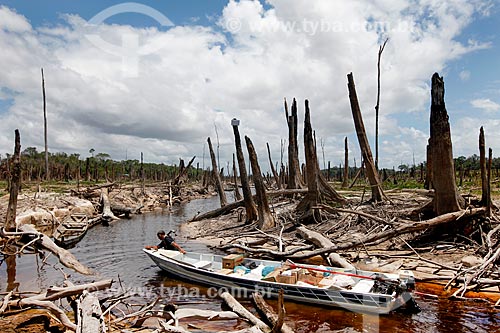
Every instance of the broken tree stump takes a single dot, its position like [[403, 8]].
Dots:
[[446, 197], [15, 180]]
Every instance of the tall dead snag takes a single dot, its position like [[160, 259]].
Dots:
[[237, 193], [446, 197], [377, 106], [311, 199], [371, 170], [45, 129], [250, 208], [488, 187], [15, 179], [266, 219], [482, 165], [273, 169], [345, 181], [318, 187], [215, 171], [294, 177]]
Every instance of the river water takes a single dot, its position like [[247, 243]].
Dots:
[[116, 252]]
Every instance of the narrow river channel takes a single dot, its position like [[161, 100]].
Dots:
[[116, 252]]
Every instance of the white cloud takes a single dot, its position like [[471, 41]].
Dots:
[[12, 22], [464, 75], [485, 104], [202, 76]]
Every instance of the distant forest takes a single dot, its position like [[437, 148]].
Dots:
[[100, 167]]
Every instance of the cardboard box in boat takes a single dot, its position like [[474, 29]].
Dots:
[[309, 278], [282, 275], [288, 279], [232, 260]]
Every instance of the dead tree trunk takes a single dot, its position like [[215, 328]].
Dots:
[[377, 106], [266, 219], [218, 182], [482, 165], [311, 199], [371, 170], [318, 187], [294, 176], [250, 208], [237, 193], [45, 129], [15, 179], [87, 169], [273, 169], [345, 181], [107, 213], [428, 169], [489, 204], [446, 198], [182, 176], [143, 192]]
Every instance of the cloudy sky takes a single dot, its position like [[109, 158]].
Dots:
[[159, 77]]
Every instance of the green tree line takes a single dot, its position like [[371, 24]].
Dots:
[[98, 167]]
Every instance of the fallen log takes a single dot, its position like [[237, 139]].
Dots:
[[54, 293], [335, 210], [58, 313], [209, 314], [229, 207], [240, 310], [167, 328], [253, 329], [122, 210], [218, 212], [65, 257], [321, 241], [89, 319], [269, 313]]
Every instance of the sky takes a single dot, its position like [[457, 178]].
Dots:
[[159, 77]]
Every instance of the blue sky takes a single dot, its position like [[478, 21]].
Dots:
[[225, 59], [180, 12]]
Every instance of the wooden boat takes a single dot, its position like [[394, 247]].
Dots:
[[354, 290], [71, 230]]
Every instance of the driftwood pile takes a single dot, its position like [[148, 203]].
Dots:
[[374, 237]]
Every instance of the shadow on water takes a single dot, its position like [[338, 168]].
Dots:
[[116, 252]]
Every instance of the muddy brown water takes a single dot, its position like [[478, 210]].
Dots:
[[116, 252]]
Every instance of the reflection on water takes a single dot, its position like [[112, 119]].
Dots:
[[116, 252]]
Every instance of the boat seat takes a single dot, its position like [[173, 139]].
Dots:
[[202, 264], [169, 253], [363, 286]]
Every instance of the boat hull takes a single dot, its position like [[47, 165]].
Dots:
[[350, 300]]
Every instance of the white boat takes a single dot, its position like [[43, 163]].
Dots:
[[354, 290]]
